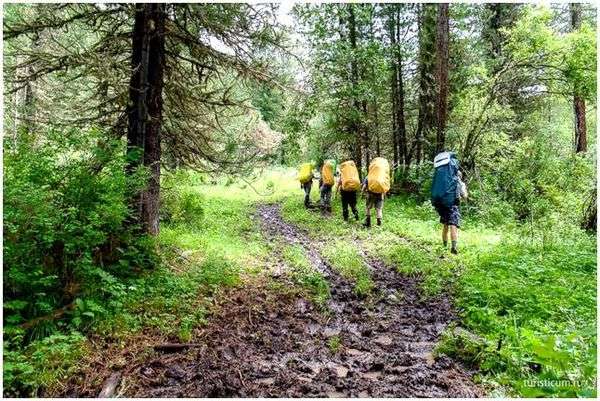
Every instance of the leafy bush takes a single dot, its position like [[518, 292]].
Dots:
[[67, 247], [182, 206], [44, 364], [65, 203]]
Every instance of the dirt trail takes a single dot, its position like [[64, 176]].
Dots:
[[264, 343]]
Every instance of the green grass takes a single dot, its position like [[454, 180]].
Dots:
[[306, 276], [345, 258], [334, 343]]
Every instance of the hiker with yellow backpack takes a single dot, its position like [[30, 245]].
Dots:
[[376, 185], [306, 176], [326, 183], [348, 185]]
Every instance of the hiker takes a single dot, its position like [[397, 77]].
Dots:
[[348, 185], [326, 184], [446, 192], [306, 176], [376, 185]]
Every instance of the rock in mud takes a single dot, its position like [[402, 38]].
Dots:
[[384, 340]]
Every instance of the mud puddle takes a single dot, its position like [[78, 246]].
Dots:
[[265, 343]]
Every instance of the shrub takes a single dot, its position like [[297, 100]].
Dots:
[[67, 247], [44, 364], [181, 204]]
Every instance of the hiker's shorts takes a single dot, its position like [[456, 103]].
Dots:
[[449, 216], [374, 200]]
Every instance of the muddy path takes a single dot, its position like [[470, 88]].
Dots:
[[271, 343]]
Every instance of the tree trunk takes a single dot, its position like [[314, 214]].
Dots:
[[377, 138], [578, 100], [442, 75], [580, 124], [394, 86], [145, 110], [354, 79], [426, 56], [23, 104], [366, 134], [590, 215], [373, 104], [402, 142]]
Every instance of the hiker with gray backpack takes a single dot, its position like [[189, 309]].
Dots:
[[447, 190]]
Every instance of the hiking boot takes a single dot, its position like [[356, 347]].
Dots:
[[378, 221], [367, 223], [454, 251]]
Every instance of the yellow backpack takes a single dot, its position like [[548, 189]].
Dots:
[[327, 172], [350, 179], [305, 173], [379, 176]]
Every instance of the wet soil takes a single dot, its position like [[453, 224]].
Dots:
[[264, 342]]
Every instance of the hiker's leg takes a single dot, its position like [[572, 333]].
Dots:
[[454, 224], [445, 235], [379, 209], [344, 196], [321, 194], [453, 233], [352, 201], [369, 204], [454, 238], [307, 186]]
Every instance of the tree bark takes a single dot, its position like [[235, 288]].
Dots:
[[426, 56], [394, 85], [402, 142], [145, 110], [366, 139], [580, 124], [578, 100], [394, 92], [442, 75], [354, 79], [377, 136]]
